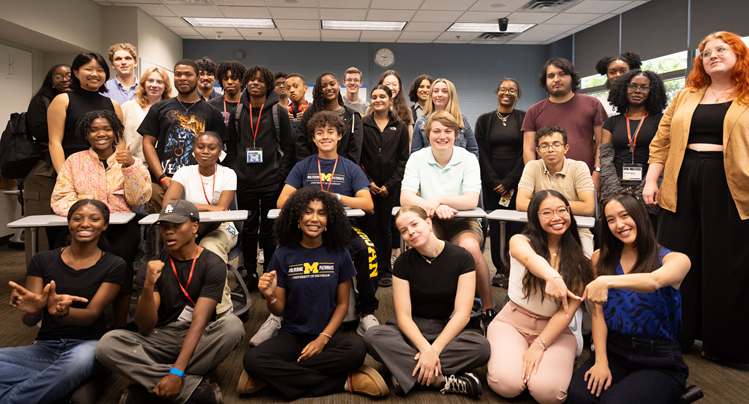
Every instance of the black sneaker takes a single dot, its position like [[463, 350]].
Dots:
[[499, 280], [486, 319], [463, 383], [206, 394]]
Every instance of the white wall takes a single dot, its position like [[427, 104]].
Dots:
[[157, 43]]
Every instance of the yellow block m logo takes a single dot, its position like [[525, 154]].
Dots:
[[326, 177], [310, 268]]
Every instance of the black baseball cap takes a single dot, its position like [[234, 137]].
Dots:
[[178, 211]]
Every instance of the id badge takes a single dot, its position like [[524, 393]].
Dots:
[[254, 155], [632, 172], [505, 201], [186, 314]]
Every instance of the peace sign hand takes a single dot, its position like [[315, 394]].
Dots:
[[59, 305], [27, 301]]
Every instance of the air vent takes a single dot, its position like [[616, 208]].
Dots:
[[488, 36], [546, 6]]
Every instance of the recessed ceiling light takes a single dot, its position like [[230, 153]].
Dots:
[[364, 25], [230, 22], [487, 27], [498, 5]]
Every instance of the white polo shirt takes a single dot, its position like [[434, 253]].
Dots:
[[424, 175]]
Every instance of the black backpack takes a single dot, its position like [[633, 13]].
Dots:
[[18, 155]]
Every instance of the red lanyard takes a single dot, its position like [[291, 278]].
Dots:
[[189, 278], [629, 133], [213, 189], [255, 129], [319, 171], [226, 116]]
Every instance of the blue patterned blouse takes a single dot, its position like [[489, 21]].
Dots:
[[653, 316]]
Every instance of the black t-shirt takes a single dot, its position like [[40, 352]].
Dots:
[[434, 286], [207, 281], [505, 140], [49, 266], [81, 102], [175, 125], [617, 125], [219, 104]]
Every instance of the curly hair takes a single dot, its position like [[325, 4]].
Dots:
[[399, 103], [286, 229], [102, 242], [129, 48], [574, 266], [83, 125], [84, 58], [141, 94], [566, 67], [655, 101], [279, 75], [236, 68], [698, 77], [322, 118], [206, 65], [265, 74], [318, 102], [413, 91], [632, 60], [48, 89]]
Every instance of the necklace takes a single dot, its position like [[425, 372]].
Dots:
[[717, 99], [429, 261], [183, 105], [503, 118]]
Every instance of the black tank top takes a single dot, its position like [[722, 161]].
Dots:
[[79, 103]]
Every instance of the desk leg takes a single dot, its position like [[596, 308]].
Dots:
[[34, 233], [502, 235]]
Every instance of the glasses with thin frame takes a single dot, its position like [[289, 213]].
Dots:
[[59, 76], [554, 146], [635, 87], [280, 84], [719, 51], [547, 214], [510, 91]]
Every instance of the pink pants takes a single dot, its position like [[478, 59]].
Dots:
[[510, 335]]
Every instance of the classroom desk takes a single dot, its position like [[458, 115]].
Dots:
[[37, 221], [477, 213], [273, 213], [205, 217], [505, 215]]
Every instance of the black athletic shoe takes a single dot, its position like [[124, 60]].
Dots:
[[206, 394], [463, 383], [486, 319], [499, 280]]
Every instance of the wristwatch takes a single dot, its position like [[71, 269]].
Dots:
[[597, 169]]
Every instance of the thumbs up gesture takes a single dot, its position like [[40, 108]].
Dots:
[[59, 305], [124, 157], [267, 284], [26, 301]]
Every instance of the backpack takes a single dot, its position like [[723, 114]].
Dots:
[[276, 123], [18, 155]]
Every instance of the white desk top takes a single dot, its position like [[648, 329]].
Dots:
[[205, 217], [273, 213], [517, 216], [477, 213], [60, 221]]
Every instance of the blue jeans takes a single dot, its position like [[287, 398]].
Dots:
[[642, 371], [45, 371]]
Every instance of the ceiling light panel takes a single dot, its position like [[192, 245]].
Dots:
[[364, 25], [487, 27], [230, 22]]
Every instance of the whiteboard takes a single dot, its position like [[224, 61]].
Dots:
[[145, 65], [15, 82]]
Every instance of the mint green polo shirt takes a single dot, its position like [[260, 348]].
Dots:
[[425, 176]]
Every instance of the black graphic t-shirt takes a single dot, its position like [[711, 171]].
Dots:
[[175, 125]]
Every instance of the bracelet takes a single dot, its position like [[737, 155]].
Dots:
[[339, 196], [177, 372], [161, 176], [275, 297], [329, 337], [541, 344], [161, 181], [543, 340]]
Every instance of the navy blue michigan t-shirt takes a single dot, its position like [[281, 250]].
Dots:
[[311, 278], [347, 180]]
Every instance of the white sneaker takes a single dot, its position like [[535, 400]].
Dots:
[[576, 325], [268, 330], [365, 323], [260, 256]]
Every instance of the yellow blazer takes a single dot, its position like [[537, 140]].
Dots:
[[670, 143]]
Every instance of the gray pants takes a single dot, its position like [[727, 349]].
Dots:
[[147, 359], [387, 344]]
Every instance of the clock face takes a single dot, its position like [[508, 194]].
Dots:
[[384, 57]]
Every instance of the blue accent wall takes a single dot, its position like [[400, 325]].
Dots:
[[476, 70]]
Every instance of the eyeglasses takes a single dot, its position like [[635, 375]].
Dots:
[[280, 84], [554, 146], [59, 76], [635, 87], [510, 91], [548, 213], [719, 51]]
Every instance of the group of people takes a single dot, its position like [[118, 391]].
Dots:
[[267, 147]]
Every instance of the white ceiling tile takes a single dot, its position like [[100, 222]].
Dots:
[[420, 35], [344, 3], [245, 12], [340, 35], [119, 2], [212, 32], [297, 24], [355, 14], [376, 36], [156, 10], [427, 26], [299, 3], [246, 3], [302, 39], [458, 5], [482, 16], [396, 4], [572, 18], [628, 7], [530, 18], [465, 37], [552, 40], [578, 29], [540, 37], [437, 16], [184, 30], [252, 33], [390, 15], [598, 7], [551, 29], [414, 40], [299, 33], [172, 21], [518, 42], [488, 5], [601, 19], [192, 37], [295, 13], [195, 11]]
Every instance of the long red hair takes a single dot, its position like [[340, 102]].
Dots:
[[699, 78]]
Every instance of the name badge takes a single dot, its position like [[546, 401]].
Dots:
[[505, 201], [632, 172], [254, 155], [186, 314]]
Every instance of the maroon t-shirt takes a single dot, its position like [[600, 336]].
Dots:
[[577, 116]]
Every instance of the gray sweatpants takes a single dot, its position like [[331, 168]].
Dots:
[[146, 359], [387, 344]]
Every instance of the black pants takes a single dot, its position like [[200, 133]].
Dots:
[[258, 201], [364, 254], [707, 228], [642, 371], [378, 228], [275, 362], [501, 167]]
